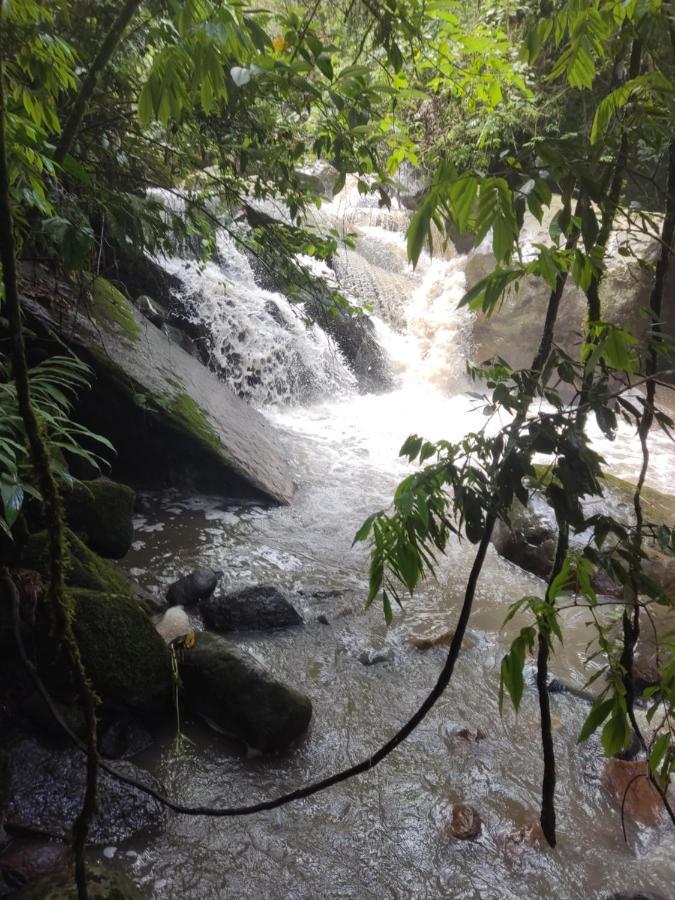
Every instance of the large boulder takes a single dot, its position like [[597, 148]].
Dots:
[[84, 569], [258, 608], [48, 788], [102, 884], [514, 331], [170, 419], [123, 654], [231, 690], [101, 512]]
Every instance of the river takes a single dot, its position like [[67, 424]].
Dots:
[[380, 835]]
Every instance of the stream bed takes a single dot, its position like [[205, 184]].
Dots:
[[381, 835]]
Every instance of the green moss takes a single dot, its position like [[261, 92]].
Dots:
[[101, 512], [111, 308], [122, 652], [190, 414], [84, 568]]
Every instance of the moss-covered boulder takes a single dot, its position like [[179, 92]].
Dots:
[[124, 656], [84, 568], [5, 778], [230, 689], [101, 512], [102, 884], [122, 652]]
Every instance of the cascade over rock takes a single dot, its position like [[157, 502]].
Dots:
[[168, 416]]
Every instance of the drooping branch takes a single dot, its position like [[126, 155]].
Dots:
[[100, 61]]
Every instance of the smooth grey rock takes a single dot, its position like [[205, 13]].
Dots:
[[258, 608], [48, 786], [373, 657], [191, 588], [148, 308], [232, 691], [171, 420]]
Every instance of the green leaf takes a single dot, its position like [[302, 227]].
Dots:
[[617, 733], [240, 75], [599, 712], [12, 501]]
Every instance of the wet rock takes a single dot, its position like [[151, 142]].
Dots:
[[529, 835], [190, 589], [465, 822], [101, 512], [438, 637], [259, 608], [231, 690], [124, 656], [85, 569], [152, 604], [529, 541], [48, 787], [5, 780], [635, 895], [30, 859], [102, 884], [629, 778], [151, 310], [124, 738], [373, 657], [173, 624], [452, 731], [322, 619]]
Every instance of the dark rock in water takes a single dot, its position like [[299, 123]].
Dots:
[[322, 619], [259, 608], [124, 738], [465, 823], [101, 512], [635, 895], [529, 542], [373, 657], [556, 686], [29, 859], [190, 589], [48, 786], [102, 884], [231, 690]]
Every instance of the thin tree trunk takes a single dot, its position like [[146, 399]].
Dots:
[[101, 60], [49, 490]]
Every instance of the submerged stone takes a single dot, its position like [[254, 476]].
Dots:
[[258, 608], [48, 788], [465, 822], [231, 690]]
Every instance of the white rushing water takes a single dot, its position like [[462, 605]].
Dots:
[[382, 835]]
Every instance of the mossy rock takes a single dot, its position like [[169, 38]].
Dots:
[[191, 418], [112, 309], [5, 780], [84, 568], [123, 654], [229, 688], [101, 512], [102, 884]]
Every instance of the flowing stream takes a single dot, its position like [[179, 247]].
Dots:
[[380, 835]]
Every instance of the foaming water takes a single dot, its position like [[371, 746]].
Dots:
[[263, 347], [382, 835]]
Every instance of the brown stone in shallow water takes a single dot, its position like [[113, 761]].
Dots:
[[465, 822], [438, 637], [629, 778]]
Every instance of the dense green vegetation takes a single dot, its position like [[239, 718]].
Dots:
[[497, 107]]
